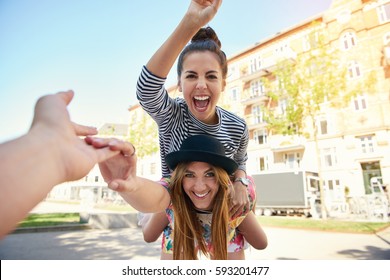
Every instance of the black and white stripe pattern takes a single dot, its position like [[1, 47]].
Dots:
[[176, 123]]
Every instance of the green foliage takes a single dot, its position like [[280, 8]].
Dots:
[[144, 135], [50, 219], [324, 225], [306, 82]]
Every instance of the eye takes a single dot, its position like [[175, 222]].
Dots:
[[190, 76], [189, 175], [212, 77], [210, 174]]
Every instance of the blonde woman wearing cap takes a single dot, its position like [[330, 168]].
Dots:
[[198, 190]]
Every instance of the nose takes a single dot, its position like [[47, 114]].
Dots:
[[200, 184], [201, 85]]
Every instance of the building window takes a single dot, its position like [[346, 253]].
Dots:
[[359, 102], [323, 127], [310, 41], [263, 164], [282, 107], [96, 178], [353, 70], [386, 39], [260, 136], [233, 72], [257, 114], [329, 157], [366, 143], [384, 13], [281, 50], [255, 64], [235, 94], [153, 168], [348, 40], [292, 160], [257, 88]]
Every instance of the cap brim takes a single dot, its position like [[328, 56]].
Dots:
[[174, 158]]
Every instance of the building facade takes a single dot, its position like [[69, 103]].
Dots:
[[354, 140], [352, 143]]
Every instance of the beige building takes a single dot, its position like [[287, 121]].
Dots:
[[353, 141]]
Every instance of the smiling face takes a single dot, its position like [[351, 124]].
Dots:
[[200, 184], [201, 82]]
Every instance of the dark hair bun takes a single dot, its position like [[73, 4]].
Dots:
[[206, 33]]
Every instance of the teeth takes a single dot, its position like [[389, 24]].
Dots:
[[201, 98], [201, 194]]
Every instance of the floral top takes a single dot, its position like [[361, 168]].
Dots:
[[236, 241]]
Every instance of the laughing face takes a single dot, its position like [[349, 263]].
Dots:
[[200, 184], [201, 83]]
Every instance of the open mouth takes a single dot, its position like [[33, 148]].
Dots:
[[201, 102], [201, 195]]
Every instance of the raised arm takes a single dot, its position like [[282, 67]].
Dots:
[[120, 173], [199, 13]]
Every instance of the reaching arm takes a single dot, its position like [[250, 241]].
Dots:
[[49, 154], [253, 232], [120, 173], [199, 13]]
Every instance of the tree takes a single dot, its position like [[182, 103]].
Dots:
[[314, 78], [143, 135]]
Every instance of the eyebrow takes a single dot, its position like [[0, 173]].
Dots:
[[208, 72]]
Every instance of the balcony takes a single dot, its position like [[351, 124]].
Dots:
[[287, 143], [254, 121], [268, 65], [250, 99]]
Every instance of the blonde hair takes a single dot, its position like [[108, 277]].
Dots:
[[188, 230]]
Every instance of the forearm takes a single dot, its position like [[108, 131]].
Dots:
[[28, 174], [146, 195], [154, 226], [239, 174], [251, 229]]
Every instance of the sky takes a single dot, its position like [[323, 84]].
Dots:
[[98, 47]]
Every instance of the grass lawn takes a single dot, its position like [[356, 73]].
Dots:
[[37, 220], [51, 219], [324, 225]]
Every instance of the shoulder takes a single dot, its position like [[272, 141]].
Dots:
[[229, 116]]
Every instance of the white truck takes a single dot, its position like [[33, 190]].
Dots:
[[287, 193]]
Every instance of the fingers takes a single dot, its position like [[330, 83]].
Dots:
[[105, 154], [118, 185], [67, 96], [125, 148], [82, 130], [236, 210]]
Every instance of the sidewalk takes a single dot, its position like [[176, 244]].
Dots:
[[128, 244]]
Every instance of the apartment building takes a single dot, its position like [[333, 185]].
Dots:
[[353, 140]]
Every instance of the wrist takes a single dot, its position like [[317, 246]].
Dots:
[[242, 180]]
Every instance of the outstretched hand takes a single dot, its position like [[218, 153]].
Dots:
[[204, 10], [119, 168], [52, 121]]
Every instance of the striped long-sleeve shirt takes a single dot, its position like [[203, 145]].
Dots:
[[176, 123]]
